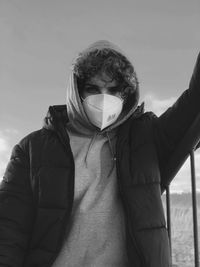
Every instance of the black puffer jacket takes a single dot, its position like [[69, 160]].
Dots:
[[36, 194]]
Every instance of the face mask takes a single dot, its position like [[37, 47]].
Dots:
[[102, 109]]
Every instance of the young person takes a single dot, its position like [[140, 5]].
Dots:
[[85, 190]]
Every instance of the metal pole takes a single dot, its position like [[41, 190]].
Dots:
[[194, 207], [168, 207]]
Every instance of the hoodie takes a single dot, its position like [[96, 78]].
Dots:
[[97, 229]]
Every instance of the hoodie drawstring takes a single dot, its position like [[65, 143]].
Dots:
[[113, 154], [110, 146], [89, 147]]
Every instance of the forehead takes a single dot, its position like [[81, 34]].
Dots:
[[102, 79]]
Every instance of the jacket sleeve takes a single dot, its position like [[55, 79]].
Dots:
[[173, 124], [16, 210]]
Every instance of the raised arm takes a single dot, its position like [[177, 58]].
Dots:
[[16, 210], [173, 124]]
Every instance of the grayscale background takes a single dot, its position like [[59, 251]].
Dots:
[[40, 38]]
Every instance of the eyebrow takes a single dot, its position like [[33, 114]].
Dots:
[[91, 84], [95, 85]]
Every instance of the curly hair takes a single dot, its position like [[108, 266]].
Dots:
[[109, 61]]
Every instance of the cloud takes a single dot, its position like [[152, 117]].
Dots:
[[6, 137], [4, 151], [182, 181], [158, 106], [3, 145]]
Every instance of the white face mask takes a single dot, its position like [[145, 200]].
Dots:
[[102, 109]]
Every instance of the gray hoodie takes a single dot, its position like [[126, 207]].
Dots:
[[97, 232]]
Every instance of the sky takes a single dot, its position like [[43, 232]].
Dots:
[[40, 38]]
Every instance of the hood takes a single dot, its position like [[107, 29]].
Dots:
[[76, 114]]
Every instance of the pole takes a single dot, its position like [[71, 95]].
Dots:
[[194, 208], [168, 207]]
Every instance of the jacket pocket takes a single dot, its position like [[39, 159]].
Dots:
[[145, 206]]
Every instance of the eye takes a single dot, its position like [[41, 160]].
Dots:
[[91, 89], [114, 90]]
